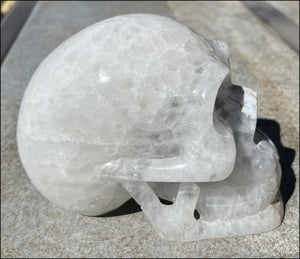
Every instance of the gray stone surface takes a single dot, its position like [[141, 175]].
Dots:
[[33, 227], [288, 8]]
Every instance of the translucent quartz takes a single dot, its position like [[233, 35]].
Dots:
[[133, 94], [141, 103], [246, 202]]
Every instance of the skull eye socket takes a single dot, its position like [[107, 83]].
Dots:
[[229, 100]]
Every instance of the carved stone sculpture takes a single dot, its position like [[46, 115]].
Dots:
[[139, 105]]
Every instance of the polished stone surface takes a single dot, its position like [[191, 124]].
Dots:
[[128, 98], [31, 226]]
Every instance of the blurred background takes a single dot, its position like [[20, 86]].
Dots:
[[6, 7], [281, 16]]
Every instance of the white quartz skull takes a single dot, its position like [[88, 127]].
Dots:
[[140, 101]]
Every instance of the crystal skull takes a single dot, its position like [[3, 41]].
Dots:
[[141, 101]]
